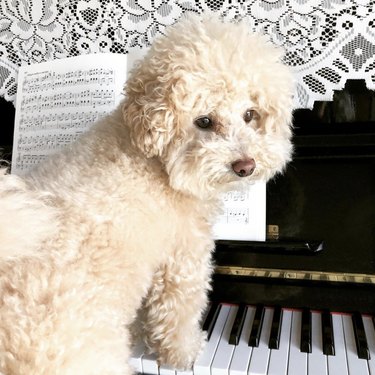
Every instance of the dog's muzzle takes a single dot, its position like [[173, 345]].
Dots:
[[244, 168]]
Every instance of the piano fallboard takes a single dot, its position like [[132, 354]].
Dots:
[[294, 293]]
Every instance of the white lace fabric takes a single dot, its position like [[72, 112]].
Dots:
[[326, 42]]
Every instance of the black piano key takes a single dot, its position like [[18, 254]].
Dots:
[[211, 317], [360, 336], [327, 333], [274, 341], [257, 326], [306, 331], [235, 333]]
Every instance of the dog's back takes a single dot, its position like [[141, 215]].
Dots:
[[26, 220]]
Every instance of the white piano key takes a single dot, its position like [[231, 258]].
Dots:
[[337, 364], [370, 334], [224, 351], [135, 360], [278, 364], [356, 365], [166, 370], [186, 372], [203, 362], [260, 356], [297, 364], [316, 360], [149, 364], [242, 352]]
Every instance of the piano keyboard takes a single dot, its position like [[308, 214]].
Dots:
[[257, 340]]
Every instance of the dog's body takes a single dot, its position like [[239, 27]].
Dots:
[[123, 216]]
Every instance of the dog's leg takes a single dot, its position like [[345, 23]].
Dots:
[[175, 305]]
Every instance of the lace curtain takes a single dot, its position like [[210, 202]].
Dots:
[[326, 42]]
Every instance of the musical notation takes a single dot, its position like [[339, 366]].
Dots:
[[89, 98], [24, 162], [46, 141], [235, 216], [243, 215], [234, 211], [50, 80], [59, 121], [58, 100], [236, 196]]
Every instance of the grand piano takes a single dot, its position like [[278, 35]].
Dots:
[[303, 302]]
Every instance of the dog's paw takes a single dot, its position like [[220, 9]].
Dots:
[[182, 354]]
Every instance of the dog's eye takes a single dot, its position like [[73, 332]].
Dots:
[[249, 115], [203, 122]]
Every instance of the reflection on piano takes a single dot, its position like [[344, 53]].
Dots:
[[319, 265]]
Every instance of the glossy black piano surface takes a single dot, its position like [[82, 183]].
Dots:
[[326, 197]]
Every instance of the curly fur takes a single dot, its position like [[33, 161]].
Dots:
[[120, 222]]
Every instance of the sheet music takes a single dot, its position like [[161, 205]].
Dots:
[[244, 214], [58, 100]]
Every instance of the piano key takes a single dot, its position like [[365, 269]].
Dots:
[[356, 365], [360, 336], [337, 364], [297, 364], [260, 356], [237, 325], [327, 333], [306, 331], [149, 364], [316, 360], [224, 351], [203, 362], [166, 370], [210, 318], [370, 333], [242, 352], [186, 372], [345, 361], [275, 328], [257, 326], [278, 363], [135, 360]]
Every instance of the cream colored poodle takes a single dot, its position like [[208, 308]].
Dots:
[[121, 221]]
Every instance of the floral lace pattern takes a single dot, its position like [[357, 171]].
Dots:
[[326, 42]]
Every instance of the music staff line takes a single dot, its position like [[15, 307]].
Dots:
[[59, 121], [234, 216], [46, 142], [92, 98], [25, 161], [51, 80]]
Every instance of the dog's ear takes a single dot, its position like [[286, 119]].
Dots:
[[149, 111]]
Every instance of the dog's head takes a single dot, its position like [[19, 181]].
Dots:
[[213, 102]]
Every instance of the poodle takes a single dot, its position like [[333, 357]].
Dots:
[[119, 224]]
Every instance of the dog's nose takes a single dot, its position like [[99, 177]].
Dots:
[[244, 168]]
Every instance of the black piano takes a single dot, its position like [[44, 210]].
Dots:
[[303, 302], [322, 214]]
